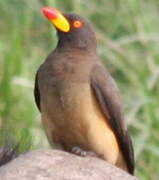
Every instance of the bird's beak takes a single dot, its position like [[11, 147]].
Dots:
[[56, 18]]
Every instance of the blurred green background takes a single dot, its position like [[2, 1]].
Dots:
[[128, 42]]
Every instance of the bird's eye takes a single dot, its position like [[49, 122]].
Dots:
[[77, 24]]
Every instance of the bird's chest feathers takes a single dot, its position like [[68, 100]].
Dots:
[[70, 96], [70, 106], [70, 71], [70, 85], [74, 95], [66, 89]]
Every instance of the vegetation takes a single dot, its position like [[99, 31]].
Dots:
[[128, 38]]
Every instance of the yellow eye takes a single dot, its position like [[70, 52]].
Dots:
[[77, 24]]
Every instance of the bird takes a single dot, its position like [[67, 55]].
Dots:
[[79, 101]]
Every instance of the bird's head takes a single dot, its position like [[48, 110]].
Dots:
[[73, 30]]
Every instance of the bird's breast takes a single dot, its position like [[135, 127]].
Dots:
[[65, 112], [75, 119]]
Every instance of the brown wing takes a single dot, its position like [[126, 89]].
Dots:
[[36, 92], [107, 95]]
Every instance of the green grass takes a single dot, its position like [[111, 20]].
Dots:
[[128, 38]]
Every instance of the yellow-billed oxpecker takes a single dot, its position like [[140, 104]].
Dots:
[[78, 99]]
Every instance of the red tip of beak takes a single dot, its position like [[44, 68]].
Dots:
[[50, 13]]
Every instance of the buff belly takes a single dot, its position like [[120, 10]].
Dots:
[[75, 119]]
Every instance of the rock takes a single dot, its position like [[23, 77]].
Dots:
[[59, 165]]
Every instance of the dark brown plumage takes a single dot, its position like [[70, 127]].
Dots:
[[79, 101]]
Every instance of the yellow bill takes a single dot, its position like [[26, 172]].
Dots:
[[57, 18]]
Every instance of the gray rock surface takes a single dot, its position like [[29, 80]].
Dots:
[[58, 165]]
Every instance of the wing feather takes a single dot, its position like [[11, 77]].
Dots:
[[36, 92], [107, 95]]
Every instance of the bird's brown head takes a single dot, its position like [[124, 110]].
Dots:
[[73, 30]]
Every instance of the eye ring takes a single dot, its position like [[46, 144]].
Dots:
[[77, 24]]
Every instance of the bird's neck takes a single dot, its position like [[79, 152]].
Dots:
[[77, 44]]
